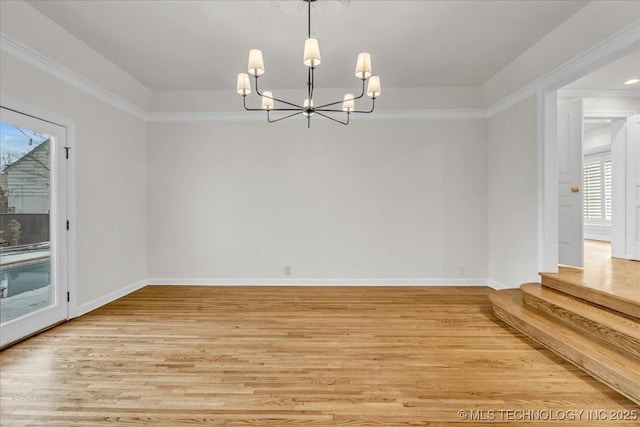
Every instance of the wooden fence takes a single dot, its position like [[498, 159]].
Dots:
[[34, 227]]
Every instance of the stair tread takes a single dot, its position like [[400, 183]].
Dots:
[[513, 298], [610, 319], [619, 281], [572, 283], [620, 371]]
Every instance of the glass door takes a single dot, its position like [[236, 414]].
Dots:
[[33, 286]]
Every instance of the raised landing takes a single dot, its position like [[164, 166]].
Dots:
[[617, 329], [620, 292], [593, 324], [607, 281], [618, 370]]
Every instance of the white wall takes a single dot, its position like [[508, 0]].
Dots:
[[377, 199], [597, 141], [512, 196], [111, 164]]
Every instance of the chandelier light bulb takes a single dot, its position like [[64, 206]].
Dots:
[[267, 100], [256, 64], [349, 103], [363, 66], [373, 90], [311, 53], [243, 86]]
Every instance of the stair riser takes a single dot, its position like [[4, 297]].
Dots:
[[613, 378], [601, 299], [618, 340]]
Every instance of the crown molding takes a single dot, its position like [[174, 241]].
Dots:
[[599, 55], [595, 57], [53, 68], [258, 117]]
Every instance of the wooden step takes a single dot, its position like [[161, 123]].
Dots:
[[573, 282], [619, 371], [618, 330]]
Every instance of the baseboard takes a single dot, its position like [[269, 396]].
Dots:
[[106, 299], [496, 285], [315, 282]]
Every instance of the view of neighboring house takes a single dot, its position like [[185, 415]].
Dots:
[[4, 193], [27, 181]]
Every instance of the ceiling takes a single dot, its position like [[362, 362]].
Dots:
[[186, 45]]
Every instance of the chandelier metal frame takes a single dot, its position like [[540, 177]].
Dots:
[[311, 60]]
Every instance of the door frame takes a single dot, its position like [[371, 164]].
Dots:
[[69, 264], [548, 227], [546, 91], [618, 156]]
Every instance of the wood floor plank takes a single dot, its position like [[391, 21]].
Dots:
[[268, 356]]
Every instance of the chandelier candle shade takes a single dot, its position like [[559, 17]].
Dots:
[[311, 59]]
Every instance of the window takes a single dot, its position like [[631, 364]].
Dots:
[[597, 189]]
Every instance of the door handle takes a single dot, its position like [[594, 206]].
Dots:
[[575, 190]]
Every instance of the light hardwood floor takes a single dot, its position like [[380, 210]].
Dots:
[[610, 275], [266, 356]]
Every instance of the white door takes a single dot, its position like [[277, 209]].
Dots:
[[33, 242], [633, 187], [570, 217]]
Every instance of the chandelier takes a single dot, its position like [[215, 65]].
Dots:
[[311, 60]]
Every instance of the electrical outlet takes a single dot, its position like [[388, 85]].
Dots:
[[461, 271], [287, 270]]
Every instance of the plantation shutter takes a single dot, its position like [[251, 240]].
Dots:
[[592, 191], [607, 189], [597, 189]]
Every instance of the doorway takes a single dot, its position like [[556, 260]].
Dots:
[[33, 225], [604, 180], [597, 168]]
